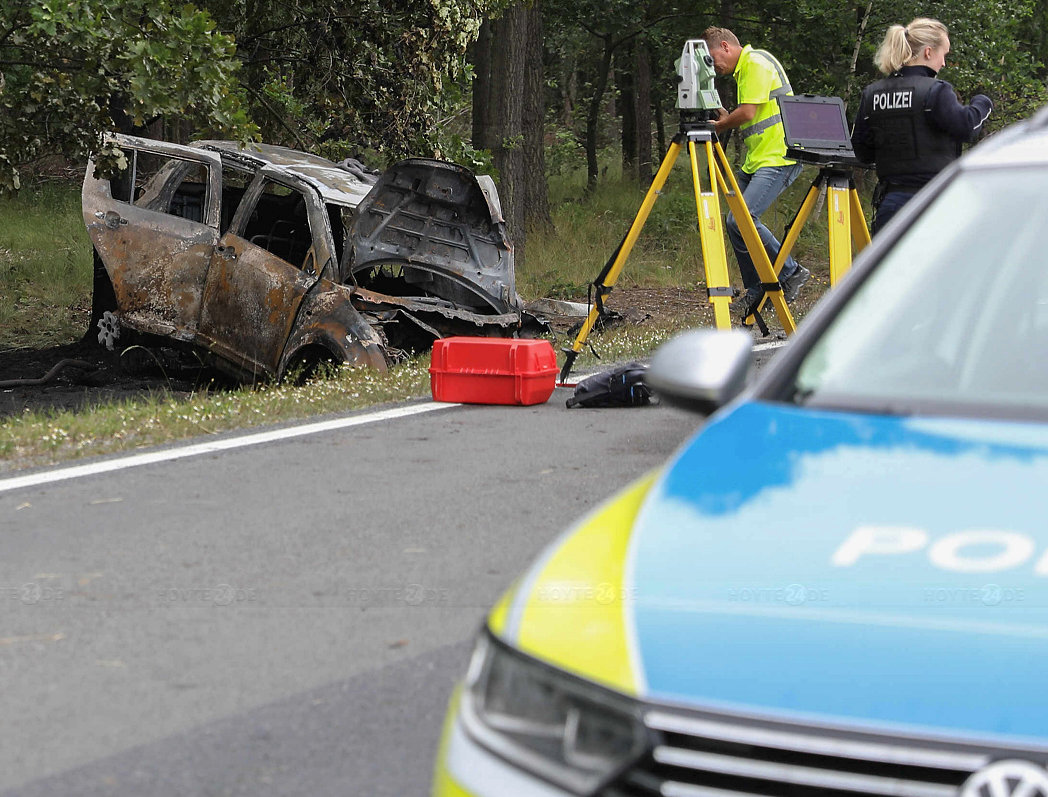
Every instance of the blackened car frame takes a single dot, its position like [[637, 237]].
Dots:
[[266, 259]]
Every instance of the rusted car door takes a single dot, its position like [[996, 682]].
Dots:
[[261, 269], [155, 226]]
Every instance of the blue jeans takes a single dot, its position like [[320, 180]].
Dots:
[[759, 190], [890, 205]]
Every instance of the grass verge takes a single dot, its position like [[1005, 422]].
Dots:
[[36, 439]]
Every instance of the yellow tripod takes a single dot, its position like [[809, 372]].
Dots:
[[846, 221], [711, 233]]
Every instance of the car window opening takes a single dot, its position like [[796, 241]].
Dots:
[[279, 223], [234, 185], [163, 184]]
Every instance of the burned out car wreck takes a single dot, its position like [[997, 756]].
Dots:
[[268, 260]]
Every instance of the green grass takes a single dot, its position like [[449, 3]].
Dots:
[[45, 438], [40, 438], [587, 231], [45, 267]]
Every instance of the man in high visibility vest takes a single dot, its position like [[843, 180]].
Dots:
[[767, 171]]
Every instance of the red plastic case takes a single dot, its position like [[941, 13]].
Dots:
[[493, 370]]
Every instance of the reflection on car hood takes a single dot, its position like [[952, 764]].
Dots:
[[865, 568]]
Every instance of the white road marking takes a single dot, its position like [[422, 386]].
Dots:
[[226, 444], [775, 344]]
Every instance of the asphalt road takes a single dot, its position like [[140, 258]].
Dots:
[[287, 618]]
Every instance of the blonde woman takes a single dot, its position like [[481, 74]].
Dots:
[[910, 123]]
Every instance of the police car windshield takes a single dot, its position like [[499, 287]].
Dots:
[[955, 316]]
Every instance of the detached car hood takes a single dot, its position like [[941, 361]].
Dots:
[[832, 564], [445, 223]]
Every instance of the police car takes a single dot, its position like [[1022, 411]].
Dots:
[[839, 585]]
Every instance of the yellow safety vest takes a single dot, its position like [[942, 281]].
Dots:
[[761, 80]]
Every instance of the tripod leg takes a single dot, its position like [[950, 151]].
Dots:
[[795, 227], [840, 223], [711, 233], [754, 245], [860, 232], [610, 275]]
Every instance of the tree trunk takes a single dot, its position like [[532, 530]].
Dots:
[[642, 110], [628, 113], [536, 193], [863, 18], [660, 129], [482, 104], [507, 101], [727, 13], [569, 91], [593, 117]]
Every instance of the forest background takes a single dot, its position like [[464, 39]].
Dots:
[[521, 90], [570, 104]]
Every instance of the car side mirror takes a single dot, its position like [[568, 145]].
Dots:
[[701, 370]]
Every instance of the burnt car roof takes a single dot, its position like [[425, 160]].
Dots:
[[333, 182]]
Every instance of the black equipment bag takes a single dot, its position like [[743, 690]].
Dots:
[[620, 387]]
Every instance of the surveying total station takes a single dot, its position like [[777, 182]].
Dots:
[[699, 104]]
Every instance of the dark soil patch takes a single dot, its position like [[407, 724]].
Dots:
[[78, 375], [689, 305]]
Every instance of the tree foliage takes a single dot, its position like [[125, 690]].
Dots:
[[999, 48], [994, 48], [363, 74], [70, 69], [378, 74], [392, 77], [590, 38]]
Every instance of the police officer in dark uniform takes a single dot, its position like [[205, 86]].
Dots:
[[910, 123]]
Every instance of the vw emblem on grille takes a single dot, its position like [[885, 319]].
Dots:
[[1007, 779]]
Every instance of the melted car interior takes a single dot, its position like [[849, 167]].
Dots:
[[279, 223]]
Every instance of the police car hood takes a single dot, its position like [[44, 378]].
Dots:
[[861, 568]]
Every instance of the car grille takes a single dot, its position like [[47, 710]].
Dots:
[[711, 756]]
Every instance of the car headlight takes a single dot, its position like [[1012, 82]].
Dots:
[[575, 734]]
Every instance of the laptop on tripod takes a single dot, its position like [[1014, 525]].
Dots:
[[816, 130]]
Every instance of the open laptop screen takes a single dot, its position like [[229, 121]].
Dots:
[[815, 123]]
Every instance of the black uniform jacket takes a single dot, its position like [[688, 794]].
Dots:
[[911, 125]]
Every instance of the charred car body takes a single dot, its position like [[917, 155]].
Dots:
[[265, 258]]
